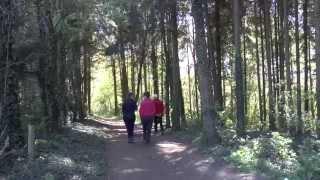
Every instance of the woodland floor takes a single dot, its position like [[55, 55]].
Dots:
[[98, 150]]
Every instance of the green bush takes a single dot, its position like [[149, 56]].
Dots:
[[273, 155], [276, 157], [309, 160]]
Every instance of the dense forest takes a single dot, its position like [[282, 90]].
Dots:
[[247, 67]]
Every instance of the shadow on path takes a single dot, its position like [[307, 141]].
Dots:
[[165, 158]]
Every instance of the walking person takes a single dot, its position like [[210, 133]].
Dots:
[[147, 113], [128, 110], [159, 105]]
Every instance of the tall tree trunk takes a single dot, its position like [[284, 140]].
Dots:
[[10, 126], [305, 52], [283, 123], [238, 70], [263, 71], [282, 60], [277, 42], [258, 66], [142, 57], [155, 75], [167, 87], [115, 86], [272, 123], [244, 71], [178, 115], [85, 78], [196, 76], [299, 123], [145, 77], [133, 67], [210, 50], [189, 81], [209, 115], [312, 85], [162, 73], [166, 63], [123, 71], [89, 85], [55, 121], [218, 89], [317, 29]]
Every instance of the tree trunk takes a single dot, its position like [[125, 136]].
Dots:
[[244, 70], [312, 85], [10, 126], [283, 121], [277, 42], [218, 89], [145, 77], [89, 85], [299, 111], [166, 63], [115, 86], [258, 66], [142, 56], [263, 72], [196, 76], [209, 115], [155, 75], [272, 123], [189, 82], [305, 52], [210, 52], [133, 67], [317, 29], [282, 59], [178, 116], [123, 71], [241, 125]]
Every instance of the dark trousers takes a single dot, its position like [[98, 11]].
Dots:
[[129, 122], [158, 120], [147, 126]]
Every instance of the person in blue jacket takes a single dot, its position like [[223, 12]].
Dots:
[[128, 111]]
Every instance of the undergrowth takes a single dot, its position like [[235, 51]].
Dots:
[[77, 153], [278, 156]]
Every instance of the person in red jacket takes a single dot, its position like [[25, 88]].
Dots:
[[147, 113], [159, 114]]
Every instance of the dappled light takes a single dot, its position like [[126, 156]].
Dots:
[[204, 165], [165, 158], [59, 161], [134, 170], [89, 130], [160, 89], [168, 147]]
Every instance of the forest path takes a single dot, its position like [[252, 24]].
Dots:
[[165, 158]]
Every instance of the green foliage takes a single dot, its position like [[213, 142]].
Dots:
[[272, 155], [276, 157], [227, 117], [77, 153], [309, 160], [102, 95], [193, 120]]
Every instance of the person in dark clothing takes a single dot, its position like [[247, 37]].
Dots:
[[128, 110], [147, 113]]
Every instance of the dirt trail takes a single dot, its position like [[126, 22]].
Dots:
[[166, 158]]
